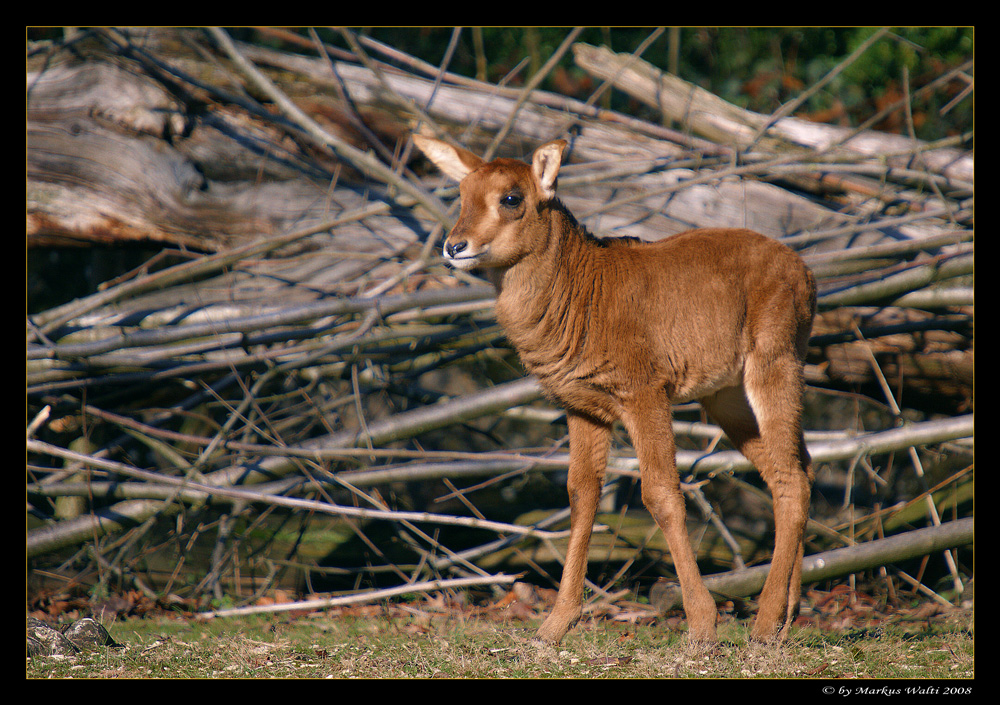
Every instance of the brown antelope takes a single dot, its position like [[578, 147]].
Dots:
[[617, 329]]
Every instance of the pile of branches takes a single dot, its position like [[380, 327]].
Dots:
[[296, 348]]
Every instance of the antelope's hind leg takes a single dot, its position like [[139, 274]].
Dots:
[[764, 424], [589, 442]]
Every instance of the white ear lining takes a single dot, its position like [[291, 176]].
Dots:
[[445, 157], [545, 165]]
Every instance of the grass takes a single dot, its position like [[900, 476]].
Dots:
[[409, 642]]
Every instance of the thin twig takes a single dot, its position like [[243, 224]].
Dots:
[[531, 85], [363, 597], [918, 466], [290, 502], [362, 160]]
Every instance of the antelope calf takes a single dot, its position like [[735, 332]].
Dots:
[[617, 329]]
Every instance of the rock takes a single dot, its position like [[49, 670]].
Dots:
[[82, 635], [43, 640], [88, 633]]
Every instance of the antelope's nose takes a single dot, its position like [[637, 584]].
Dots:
[[452, 249]]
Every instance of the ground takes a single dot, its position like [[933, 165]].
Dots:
[[841, 635]]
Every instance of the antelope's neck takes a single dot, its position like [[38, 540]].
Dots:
[[540, 291], [546, 301]]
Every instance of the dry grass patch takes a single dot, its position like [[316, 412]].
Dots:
[[394, 643]]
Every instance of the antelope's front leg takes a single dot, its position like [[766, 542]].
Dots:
[[589, 441], [649, 424]]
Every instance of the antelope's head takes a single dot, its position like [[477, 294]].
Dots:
[[499, 221]]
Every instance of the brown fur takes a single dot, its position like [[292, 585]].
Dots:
[[620, 330]]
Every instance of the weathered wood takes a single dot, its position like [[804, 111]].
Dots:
[[724, 123], [213, 208], [917, 351], [220, 483], [835, 563], [102, 170], [646, 201]]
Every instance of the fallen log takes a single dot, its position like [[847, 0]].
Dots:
[[724, 123], [831, 564]]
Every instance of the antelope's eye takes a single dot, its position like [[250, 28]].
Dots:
[[511, 200]]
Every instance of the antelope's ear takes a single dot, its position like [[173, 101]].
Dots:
[[545, 166], [452, 161]]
